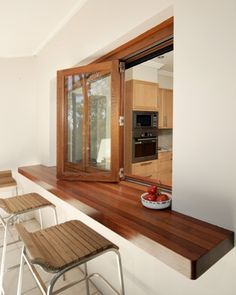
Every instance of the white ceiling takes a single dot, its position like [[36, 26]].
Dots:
[[167, 61], [163, 62], [27, 25]]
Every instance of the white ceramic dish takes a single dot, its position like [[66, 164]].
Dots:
[[154, 204]]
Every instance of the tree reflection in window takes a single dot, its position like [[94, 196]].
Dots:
[[99, 93], [98, 128], [75, 119]]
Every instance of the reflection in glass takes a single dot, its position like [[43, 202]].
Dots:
[[99, 95], [75, 108]]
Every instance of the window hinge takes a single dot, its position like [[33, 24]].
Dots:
[[121, 172], [121, 120], [122, 67]]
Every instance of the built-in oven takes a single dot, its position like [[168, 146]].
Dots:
[[145, 120], [145, 146]]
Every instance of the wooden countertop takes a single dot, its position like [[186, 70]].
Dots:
[[186, 244]]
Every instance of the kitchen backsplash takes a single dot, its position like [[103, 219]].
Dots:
[[165, 139]]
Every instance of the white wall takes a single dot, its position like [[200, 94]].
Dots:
[[204, 110], [204, 119], [17, 112], [165, 81], [143, 73], [204, 142], [150, 74]]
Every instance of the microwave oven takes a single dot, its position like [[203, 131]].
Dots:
[[145, 120]]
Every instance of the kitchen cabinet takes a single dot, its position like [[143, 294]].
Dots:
[[166, 108], [164, 168], [142, 95], [147, 96], [160, 169], [145, 169]]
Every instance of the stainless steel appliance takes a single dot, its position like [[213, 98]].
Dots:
[[144, 136], [145, 145], [145, 120]]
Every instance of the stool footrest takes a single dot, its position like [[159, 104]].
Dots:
[[11, 243]]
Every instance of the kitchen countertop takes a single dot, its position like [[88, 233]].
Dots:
[[186, 244]]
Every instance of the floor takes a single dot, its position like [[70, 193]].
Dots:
[[29, 285]]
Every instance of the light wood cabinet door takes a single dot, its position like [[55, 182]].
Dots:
[[145, 169], [145, 96], [166, 108], [164, 167], [165, 178], [160, 169]]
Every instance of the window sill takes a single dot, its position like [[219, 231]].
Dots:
[[186, 244]]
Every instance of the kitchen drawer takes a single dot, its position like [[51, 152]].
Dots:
[[145, 169]]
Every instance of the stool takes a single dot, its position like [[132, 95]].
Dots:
[[14, 207], [7, 181], [61, 248]]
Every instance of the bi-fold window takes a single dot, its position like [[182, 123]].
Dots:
[[88, 128], [90, 105]]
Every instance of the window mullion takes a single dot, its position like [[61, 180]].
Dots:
[[85, 125]]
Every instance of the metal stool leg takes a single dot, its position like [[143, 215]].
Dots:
[[87, 280], [19, 285], [2, 270], [52, 283], [120, 272], [70, 231]]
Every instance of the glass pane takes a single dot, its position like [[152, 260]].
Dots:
[[99, 95], [75, 109]]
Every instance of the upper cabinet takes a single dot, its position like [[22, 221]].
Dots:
[[143, 95], [147, 96], [166, 108]]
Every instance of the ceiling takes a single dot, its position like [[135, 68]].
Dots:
[[27, 25], [167, 61], [162, 62]]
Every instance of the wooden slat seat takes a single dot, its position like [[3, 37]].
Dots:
[[16, 206], [23, 203], [6, 179], [61, 246]]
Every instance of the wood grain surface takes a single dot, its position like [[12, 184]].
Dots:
[[6, 179], [188, 245], [63, 245]]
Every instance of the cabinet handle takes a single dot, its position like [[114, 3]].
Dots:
[[146, 163]]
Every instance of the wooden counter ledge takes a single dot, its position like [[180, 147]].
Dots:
[[186, 244]]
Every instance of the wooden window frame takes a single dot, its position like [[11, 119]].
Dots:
[[158, 38], [70, 171]]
